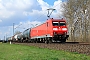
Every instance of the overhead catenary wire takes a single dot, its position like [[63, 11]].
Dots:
[[45, 12]]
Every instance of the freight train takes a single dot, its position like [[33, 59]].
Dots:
[[53, 30]]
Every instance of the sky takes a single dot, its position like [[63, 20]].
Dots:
[[25, 14]]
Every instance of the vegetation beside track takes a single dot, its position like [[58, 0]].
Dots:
[[22, 52]]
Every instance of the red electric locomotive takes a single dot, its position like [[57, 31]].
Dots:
[[52, 30]]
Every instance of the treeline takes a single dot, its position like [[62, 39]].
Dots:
[[77, 14]]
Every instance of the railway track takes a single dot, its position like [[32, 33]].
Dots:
[[83, 48]]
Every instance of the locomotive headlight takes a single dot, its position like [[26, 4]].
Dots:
[[55, 28], [64, 29]]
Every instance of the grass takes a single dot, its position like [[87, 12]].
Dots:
[[22, 52]]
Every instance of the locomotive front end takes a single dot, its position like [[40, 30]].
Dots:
[[60, 30]]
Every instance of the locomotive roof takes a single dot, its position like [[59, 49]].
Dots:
[[56, 19], [51, 19]]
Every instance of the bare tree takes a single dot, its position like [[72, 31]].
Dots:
[[77, 14]]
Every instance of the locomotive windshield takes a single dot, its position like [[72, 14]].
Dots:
[[55, 23], [62, 24], [59, 23]]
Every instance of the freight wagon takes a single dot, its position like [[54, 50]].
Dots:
[[26, 35]]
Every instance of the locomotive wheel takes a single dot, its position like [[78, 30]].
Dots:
[[50, 41], [46, 41], [63, 41]]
